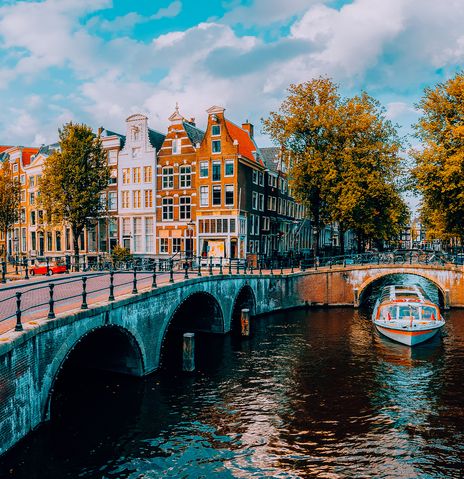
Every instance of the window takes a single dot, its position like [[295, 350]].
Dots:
[[125, 199], [32, 181], [112, 200], [148, 198], [261, 178], [229, 168], [216, 146], [31, 198], [126, 176], [149, 236], [176, 245], [112, 157], [168, 178], [137, 234], [126, 226], [40, 217], [250, 247], [254, 203], [168, 209], [255, 177], [23, 196], [58, 241], [216, 195], [33, 241], [204, 200], [176, 146], [163, 245], [215, 130], [216, 171], [257, 225], [229, 201], [103, 201], [15, 168], [261, 202], [33, 219], [251, 228], [137, 199], [266, 223], [49, 241], [184, 210], [136, 175], [185, 177], [147, 174], [22, 179], [232, 225], [204, 169], [113, 177]]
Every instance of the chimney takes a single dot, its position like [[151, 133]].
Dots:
[[249, 128], [192, 121]]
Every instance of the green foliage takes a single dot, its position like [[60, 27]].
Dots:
[[73, 179], [345, 158], [439, 165], [119, 253], [10, 191]]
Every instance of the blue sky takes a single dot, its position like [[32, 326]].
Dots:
[[98, 61]]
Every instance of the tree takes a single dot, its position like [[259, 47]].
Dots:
[[72, 181], [306, 126], [345, 159], [438, 174], [10, 191]]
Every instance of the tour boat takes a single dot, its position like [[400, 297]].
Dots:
[[406, 315]]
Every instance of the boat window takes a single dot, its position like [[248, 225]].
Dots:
[[428, 312], [408, 311], [389, 313]]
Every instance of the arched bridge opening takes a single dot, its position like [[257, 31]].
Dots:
[[90, 374], [245, 300], [199, 313], [370, 290]]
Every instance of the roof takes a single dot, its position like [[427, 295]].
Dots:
[[105, 132], [156, 138], [4, 147], [27, 152], [195, 134], [246, 144], [271, 157], [47, 150]]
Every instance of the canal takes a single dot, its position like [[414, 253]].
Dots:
[[313, 393]]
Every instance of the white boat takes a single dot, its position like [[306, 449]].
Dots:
[[405, 314]]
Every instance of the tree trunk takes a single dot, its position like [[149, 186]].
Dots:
[[76, 233], [359, 241], [5, 233], [341, 232]]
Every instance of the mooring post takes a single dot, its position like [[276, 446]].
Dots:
[[188, 352], [84, 293], [51, 302], [19, 326], [134, 282], [245, 322], [111, 296]]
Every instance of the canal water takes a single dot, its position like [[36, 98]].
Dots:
[[313, 393]]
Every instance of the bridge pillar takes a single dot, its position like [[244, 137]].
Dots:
[[356, 298], [446, 299]]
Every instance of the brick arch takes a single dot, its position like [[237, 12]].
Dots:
[[67, 348], [367, 282]]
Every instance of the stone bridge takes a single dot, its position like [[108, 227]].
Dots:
[[127, 335]]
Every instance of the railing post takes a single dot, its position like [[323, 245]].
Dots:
[[84, 293], [245, 266], [281, 267], [199, 265], [134, 282], [16, 264], [47, 259], [220, 265], [186, 267], [26, 269], [238, 265], [211, 266], [51, 303], [3, 271], [19, 326], [111, 296], [251, 268], [171, 272], [260, 265], [230, 265], [153, 283]]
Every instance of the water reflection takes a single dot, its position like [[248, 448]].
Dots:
[[311, 394]]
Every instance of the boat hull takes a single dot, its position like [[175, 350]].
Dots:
[[409, 338]]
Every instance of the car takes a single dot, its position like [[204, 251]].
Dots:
[[53, 268]]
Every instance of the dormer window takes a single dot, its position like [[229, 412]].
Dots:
[[176, 146], [216, 130]]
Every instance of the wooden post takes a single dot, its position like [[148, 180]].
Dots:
[[188, 352], [245, 322]]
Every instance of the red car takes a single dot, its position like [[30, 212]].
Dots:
[[53, 268]]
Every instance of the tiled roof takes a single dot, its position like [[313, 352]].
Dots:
[[271, 157], [246, 145], [4, 147], [47, 150], [156, 138], [27, 153], [106, 133], [195, 134]]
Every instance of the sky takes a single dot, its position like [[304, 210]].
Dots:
[[99, 61]]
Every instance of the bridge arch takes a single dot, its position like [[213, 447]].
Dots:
[[245, 298], [363, 288], [107, 347]]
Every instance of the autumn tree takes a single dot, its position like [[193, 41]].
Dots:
[[438, 173], [73, 178], [9, 200]]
